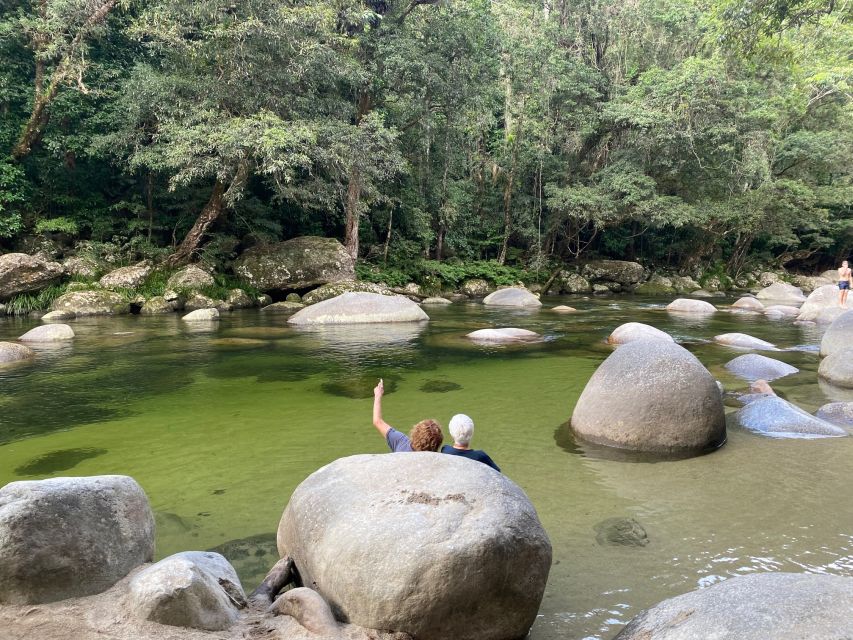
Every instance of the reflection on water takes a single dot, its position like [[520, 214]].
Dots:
[[220, 426]]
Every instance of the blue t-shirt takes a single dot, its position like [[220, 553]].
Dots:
[[397, 441], [471, 454]]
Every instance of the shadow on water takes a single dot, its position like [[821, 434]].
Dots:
[[567, 441], [359, 386], [59, 460]]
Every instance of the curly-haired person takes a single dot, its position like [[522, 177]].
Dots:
[[425, 435]]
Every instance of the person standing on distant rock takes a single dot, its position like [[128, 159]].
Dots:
[[462, 430], [844, 276], [425, 435]]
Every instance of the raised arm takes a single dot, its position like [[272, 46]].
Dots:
[[378, 422]]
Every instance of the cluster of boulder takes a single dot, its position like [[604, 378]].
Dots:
[[39, 337], [360, 556]]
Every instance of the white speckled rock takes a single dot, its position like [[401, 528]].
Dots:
[[201, 315], [651, 396], [772, 416], [768, 606], [749, 304], [358, 308], [351, 538], [839, 335], [48, 333], [744, 341], [13, 352], [56, 316], [20, 273], [438, 301], [298, 263], [507, 334], [684, 305], [837, 368], [283, 308], [92, 303], [839, 413], [821, 298], [752, 366], [512, 297], [631, 331], [190, 277], [196, 589], [127, 277], [67, 537]]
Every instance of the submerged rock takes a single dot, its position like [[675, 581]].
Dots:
[[564, 309], [744, 341], [839, 335], [49, 333], [502, 335], [351, 538], [512, 297], [651, 396], [12, 352], [21, 273], [357, 308], [777, 606], [749, 304], [685, 305], [196, 589], [838, 413], [752, 366], [783, 310], [67, 537], [837, 368], [772, 416], [631, 331], [299, 263], [782, 292], [92, 303], [621, 532]]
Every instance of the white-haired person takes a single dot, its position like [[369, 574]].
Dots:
[[462, 429]]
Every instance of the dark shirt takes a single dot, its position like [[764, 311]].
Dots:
[[471, 454]]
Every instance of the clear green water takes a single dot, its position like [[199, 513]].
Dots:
[[219, 427]]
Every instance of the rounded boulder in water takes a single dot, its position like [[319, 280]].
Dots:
[[839, 335], [752, 366], [442, 547], [631, 331], [512, 297], [772, 416]]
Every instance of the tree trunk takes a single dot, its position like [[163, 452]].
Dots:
[[352, 211], [211, 212], [507, 216], [281, 574]]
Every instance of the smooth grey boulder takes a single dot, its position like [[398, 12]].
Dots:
[[512, 297], [54, 332], [283, 308], [476, 288], [507, 334], [621, 271], [190, 277], [838, 413], [196, 589], [299, 263], [56, 316], [155, 306], [837, 368], [562, 308], [309, 609], [767, 606], [359, 308], [685, 305], [201, 315], [92, 303], [752, 366], [427, 551], [127, 277], [67, 537], [631, 331], [20, 273], [437, 301], [744, 341], [13, 352], [335, 289], [782, 292], [821, 298], [651, 396], [772, 416], [839, 335], [783, 310], [748, 304], [829, 315]]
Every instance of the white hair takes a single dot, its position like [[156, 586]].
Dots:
[[462, 429]]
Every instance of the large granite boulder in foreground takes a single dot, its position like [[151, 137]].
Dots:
[[295, 264], [92, 303], [435, 546], [824, 297], [359, 308], [512, 297], [839, 335], [197, 589], [651, 396], [837, 368], [768, 606], [13, 352], [67, 537], [20, 273], [772, 416]]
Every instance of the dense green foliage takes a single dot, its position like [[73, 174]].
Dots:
[[678, 132]]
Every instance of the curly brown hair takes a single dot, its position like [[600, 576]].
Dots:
[[426, 436]]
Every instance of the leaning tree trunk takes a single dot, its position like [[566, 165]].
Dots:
[[211, 212], [352, 211]]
